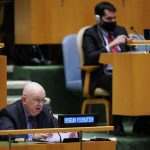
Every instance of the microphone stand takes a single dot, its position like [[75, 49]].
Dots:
[[140, 37], [54, 123]]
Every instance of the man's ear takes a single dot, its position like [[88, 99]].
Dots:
[[23, 99]]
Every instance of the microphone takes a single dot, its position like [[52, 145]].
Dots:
[[53, 120], [141, 38], [132, 28]]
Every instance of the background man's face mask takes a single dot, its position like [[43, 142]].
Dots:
[[109, 26]]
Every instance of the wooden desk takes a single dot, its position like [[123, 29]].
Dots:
[[55, 130], [139, 42], [131, 82], [99, 145], [1, 45], [3, 79]]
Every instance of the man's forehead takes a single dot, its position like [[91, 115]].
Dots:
[[109, 13]]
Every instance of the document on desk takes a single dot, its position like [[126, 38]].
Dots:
[[58, 137]]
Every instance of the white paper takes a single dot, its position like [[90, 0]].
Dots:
[[57, 137]]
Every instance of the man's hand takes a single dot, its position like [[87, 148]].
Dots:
[[42, 136], [73, 135], [121, 39]]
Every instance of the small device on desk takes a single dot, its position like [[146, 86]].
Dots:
[[147, 34], [77, 120]]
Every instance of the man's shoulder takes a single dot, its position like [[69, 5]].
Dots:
[[91, 28], [11, 109], [11, 106], [91, 31], [121, 28]]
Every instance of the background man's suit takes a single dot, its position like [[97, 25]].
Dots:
[[93, 46]]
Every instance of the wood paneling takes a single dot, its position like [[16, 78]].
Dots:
[[133, 13], [48, 21], [131, 96], [98, 145], [3, 79]]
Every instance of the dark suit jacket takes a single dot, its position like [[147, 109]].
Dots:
[[13, 117], [93, 47]]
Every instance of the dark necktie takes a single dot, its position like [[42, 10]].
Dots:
[[32, 121], [110, 39]]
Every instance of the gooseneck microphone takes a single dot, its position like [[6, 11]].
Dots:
[[54, 122], [140, 37], [132, 28]]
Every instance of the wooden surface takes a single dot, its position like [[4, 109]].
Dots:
[[132, 13], [55, 130], [1, 45], [139, 42], [48, 21], [103, 145], [3, 79], [131, 83]]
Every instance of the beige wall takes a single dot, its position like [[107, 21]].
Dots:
[[133, 13]]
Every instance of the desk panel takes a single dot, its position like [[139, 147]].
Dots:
[[97, 145], [131, 83]]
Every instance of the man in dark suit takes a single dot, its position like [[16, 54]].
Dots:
[[29, 112], [104, 37]]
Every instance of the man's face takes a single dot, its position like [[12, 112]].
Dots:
[[108, 21], [33, 103], [109, 16]]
